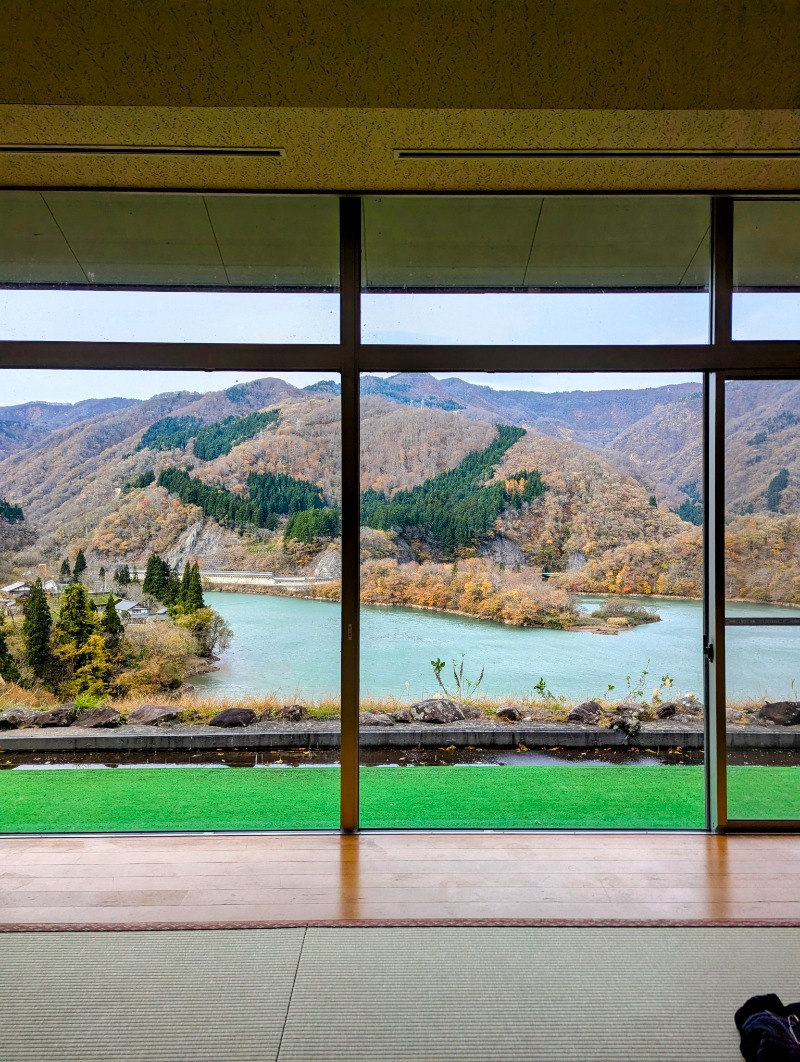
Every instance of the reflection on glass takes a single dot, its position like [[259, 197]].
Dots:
[[763, 719], [531, 603], [64, 254], [762, 490], [762, 585], [168, 552], [766, 270], [528, 269]]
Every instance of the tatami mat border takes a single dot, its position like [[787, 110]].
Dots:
[[404, 923]]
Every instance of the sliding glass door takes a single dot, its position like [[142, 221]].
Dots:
[[443, 499], [759, 528]]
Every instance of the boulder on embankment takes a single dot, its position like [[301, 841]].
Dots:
[[98, 717], [435, 710], [588, 713], [16, 718], [292, 713], [626, 719], [62, 715], [689, 705], [376, 719], [783, 713], [154, 714], [509, 713], [233, 717]]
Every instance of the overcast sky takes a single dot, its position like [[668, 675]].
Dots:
[[234, 317]]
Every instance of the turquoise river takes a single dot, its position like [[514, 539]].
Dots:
[[291, 647]]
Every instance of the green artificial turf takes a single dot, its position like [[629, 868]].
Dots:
[[197, 798]]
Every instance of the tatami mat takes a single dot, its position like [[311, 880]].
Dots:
[[536, 994], [191, 996], [388, 994]]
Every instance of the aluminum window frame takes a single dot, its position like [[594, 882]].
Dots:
[[719, 359]]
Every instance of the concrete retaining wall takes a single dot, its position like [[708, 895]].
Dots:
[[73, 739]]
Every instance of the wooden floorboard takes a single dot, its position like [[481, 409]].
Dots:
[[384, 878]]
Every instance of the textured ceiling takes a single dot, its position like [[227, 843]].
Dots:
[[340, 86], [352, 149], [459, 54]]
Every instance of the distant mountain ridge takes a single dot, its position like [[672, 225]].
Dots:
[[614, 464], [28, 424]]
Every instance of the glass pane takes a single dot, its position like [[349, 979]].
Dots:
[[531, 602], [766, 270], [763, 712], [762, 490], [168, 551], [271, 262], [527, 269], [762, 583]]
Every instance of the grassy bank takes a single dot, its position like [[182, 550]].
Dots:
[[75, 801], [196, 708]]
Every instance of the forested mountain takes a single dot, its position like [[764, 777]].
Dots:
[[25, 426], [654, 434], [586, 484], [456, 510]]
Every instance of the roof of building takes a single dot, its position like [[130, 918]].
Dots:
[[126, 605], [14, 586]]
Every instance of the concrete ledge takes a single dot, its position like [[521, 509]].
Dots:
[[326, 736]]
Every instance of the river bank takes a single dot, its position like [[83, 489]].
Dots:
[[579, 625]]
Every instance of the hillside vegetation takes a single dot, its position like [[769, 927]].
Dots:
[[598, 489]]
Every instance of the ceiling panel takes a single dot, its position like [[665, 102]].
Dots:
[[32, 248], [595, 241], [278, 241], [168, 240], [448, 242], [766, 248], [137, 239], [555, 243]]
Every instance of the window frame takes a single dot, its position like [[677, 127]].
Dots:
[[719, 359]]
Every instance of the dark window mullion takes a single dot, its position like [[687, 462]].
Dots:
[[721, 328], [350, 334], [246, 357]]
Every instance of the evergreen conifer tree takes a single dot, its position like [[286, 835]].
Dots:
[[153, 582], [79, 567], [65, 572], [111, 624], [8, 669], [172, 587], [194, 593], [36, 632], [75, 620], [186, 579]]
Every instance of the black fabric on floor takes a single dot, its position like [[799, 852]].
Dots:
[[769, 1031]]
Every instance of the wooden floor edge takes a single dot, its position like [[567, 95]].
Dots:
[[404, 923]]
